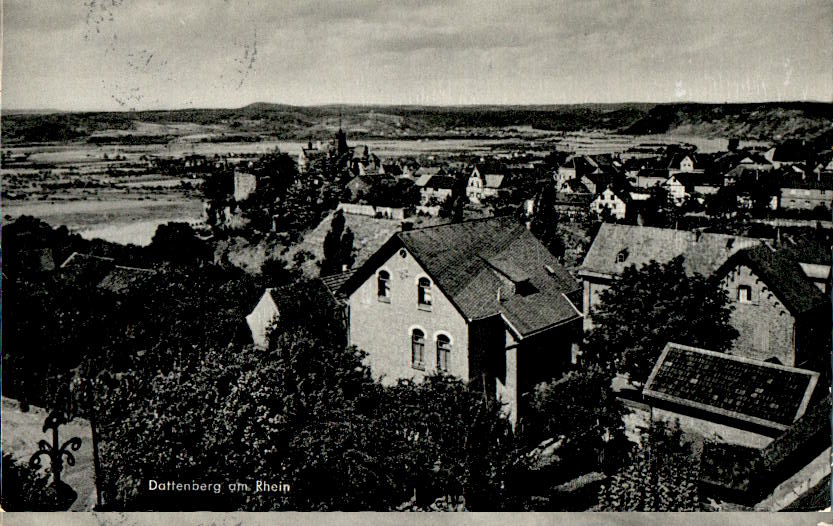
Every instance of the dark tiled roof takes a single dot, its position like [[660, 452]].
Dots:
[[334, 282], [790, 151], [704, 252], [392, 169], [471, 261], [653, 172], [699, 179], [467, 260], [431, 170], [760, 393], [577, 199], [783, 275], [582, 164], [753, 157], [807, 249], [620, 187], [577, 186], [810, 182], [440, 182], [120, 279]]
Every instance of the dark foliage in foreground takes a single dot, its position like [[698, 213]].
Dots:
[[25, 489]]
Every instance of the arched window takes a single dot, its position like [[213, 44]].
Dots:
[[424, 293], [383, 286], [418, 349], [443, 352]]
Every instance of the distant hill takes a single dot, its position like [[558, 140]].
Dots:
[[750, 121]]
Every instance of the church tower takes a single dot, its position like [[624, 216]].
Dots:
[[341, 139]]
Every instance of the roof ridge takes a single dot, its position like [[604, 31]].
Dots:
[[475, 220], [743, 359]]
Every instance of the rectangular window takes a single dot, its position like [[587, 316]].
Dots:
[[744, 294], [418, 350], [383, 286], [424, 294], [443, 352]]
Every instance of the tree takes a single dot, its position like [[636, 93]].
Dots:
[[397, 193], [455, 441], [178, 243], [544, 224], [581, 408], [647, 307], [276, 272], [662, 475], [660, 209], [302, 412], [338, 246], [723, 203]]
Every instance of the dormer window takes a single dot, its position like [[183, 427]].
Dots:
[[424, 293], [622, 256], [383, 286]]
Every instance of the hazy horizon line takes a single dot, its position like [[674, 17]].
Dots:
[[411, 105]]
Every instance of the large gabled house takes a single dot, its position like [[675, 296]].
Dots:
[[481, 300], [682, 185], [483, 183], [618, 246], [616, 199]]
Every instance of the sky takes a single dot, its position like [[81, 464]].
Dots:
[[166, 54]]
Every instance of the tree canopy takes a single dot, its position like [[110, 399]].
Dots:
[[338, 246], [647, 307]]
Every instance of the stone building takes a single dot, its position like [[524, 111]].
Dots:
[[618, 246], [780, 313]]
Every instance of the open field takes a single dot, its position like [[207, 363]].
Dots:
[[108, 191], [116, 219]]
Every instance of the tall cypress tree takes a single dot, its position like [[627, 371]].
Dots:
[[338, 246]]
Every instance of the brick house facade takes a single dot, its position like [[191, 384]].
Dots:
[[779, 312]]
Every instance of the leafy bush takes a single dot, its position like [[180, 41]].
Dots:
[[25, 489]]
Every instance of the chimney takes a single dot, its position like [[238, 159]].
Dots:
[[499, 297], [344, 267]]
